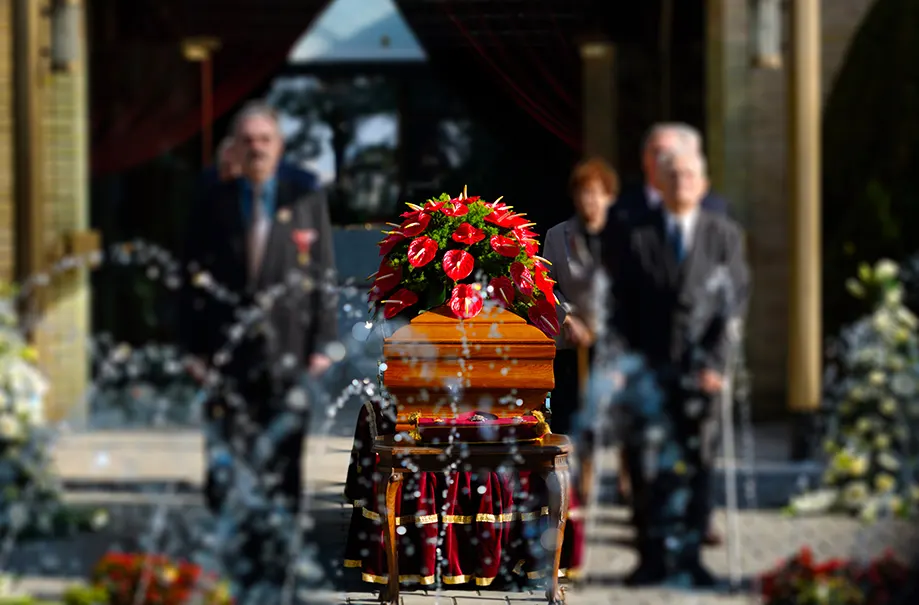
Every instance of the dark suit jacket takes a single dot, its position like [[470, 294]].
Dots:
[[301, 321], [667, 311]]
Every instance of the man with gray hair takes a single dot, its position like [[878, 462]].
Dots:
[[265, 238], [664, 314], [662, 138], [635, 202]]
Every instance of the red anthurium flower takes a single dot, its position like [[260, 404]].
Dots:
[[523, 233], [466, 301], [502, 291], [543, 316], [412, 215], [541, 278], [433, 206], [455, 208], [458, 264], [412, 227], [504, 246], [467, 234], [505, 218], [397, 302], [389, 242], [531, 247], [421, 251], [522, 277], [387, 278]]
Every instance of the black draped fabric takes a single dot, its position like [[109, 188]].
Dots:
[[146, 96]]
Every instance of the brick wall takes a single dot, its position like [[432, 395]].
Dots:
[[766, 200], [62, 333], [62, 338], [7, 231]]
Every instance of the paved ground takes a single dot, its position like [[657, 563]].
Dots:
[[149, 481]]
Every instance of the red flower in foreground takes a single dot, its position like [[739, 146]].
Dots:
[[398, 302], [389, 242], [467, 234], [523, 279], [542, 280], [505, 218], [455, 208], [527, 238], [466, 301], [421, 251], [504, 246], [543, 316], [416, 225], [434, 206], [502, 291], [458, 264], [387, 278]]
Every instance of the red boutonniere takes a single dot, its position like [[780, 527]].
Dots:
[[304, 240]]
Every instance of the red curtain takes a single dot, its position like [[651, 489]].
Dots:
[[524, 52], [146, 97]]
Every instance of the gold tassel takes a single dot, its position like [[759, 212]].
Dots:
[[542, 427], [415, 435], [414, 417]]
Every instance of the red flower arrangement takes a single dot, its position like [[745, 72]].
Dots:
[[802, 581], [121, 577], [460, 252]]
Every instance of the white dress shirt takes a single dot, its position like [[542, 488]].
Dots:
[[653, 196]]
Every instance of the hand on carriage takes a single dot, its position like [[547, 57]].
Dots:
[[577, 333]]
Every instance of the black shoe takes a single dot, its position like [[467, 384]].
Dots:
[[646, 574], [702, 577]]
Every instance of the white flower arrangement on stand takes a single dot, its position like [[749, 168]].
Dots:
[[873, 401], [30, 493]]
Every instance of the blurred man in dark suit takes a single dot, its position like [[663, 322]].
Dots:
[[664, 138], [635, 202], [682, 280], [266, 239]]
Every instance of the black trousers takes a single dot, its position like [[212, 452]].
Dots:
[[255, 431], [253, 484], [671, 504]]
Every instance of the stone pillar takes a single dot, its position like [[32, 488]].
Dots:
[[600, 138], [28, 92], [51, 204], [727, 102], [7, 214], [805, 232]]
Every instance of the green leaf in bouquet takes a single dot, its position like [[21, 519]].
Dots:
[[436, 297]]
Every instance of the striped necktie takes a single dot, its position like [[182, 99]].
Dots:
[[258, 232]]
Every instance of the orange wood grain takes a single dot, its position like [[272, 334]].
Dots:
[[441, 366]]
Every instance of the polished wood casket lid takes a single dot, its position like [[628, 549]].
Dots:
[[495, 362]]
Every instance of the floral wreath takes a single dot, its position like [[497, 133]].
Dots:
[[460, 252]]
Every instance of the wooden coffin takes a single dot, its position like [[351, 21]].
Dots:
[[440, 366]]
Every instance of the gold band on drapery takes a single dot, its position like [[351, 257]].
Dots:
[[458, 519], [571, 574]]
